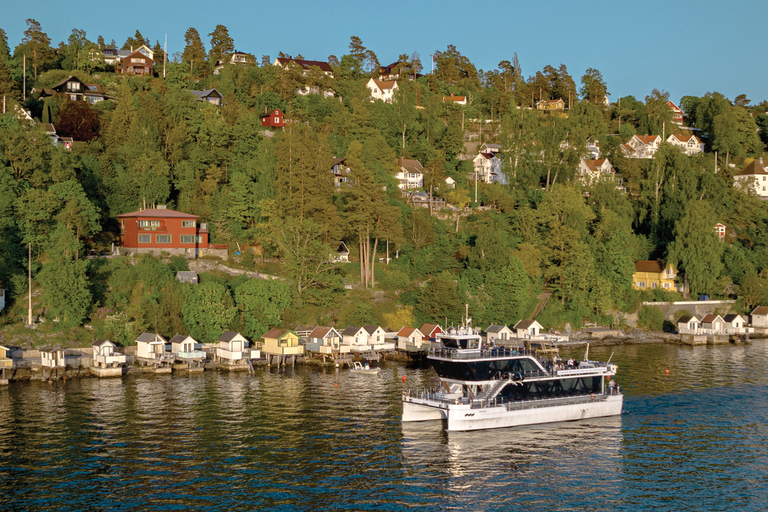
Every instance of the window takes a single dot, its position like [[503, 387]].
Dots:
[[73, 86], [149, 224], [163, 239], [145, 239], [188, 223], [187, 239], [653, 285], [641, 284], [667, 285], [135, 60], [277, 120], [199, 239]]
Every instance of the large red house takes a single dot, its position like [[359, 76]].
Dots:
[[156, 230]]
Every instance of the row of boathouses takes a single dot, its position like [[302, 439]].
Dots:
[[233, 351]]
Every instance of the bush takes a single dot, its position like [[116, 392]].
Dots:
[[651, 318]]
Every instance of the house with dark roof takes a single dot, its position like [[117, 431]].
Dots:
[[735, 323], [305, 65], [274, 119], [186, 347], [527, 329], [410, 174], [753, 178], [714, 323], [151, 346], [498, 333], [232, 348], [340, 172], [688, 324], [652, 274], [326, 341], [137, 63], [211, 96], [157, 230], [488, 168]]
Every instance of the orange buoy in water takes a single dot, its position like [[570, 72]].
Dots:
[[403, 378], [337, 384], [667, 372]]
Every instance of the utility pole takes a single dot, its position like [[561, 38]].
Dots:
[[29, 280]]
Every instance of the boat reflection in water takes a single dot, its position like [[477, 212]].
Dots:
[[539, 465]]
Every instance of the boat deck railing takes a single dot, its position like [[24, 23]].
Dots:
[[488, 353], [500, 401]]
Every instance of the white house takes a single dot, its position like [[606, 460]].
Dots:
[[233, 347], [104, 354], [490, 148], [186, 347], [753, 177], [496, 333], [736, 323], [488, 168], [688, 324], [688, 144], [527, 328], [410, 174], [410, 338], [383, 90], [759, 317], [593, 147], [642, 146], [713, 322], [594, 171], [677, 113], [52, 357], [342, 253], [356, 338], [450, 182], [325, 340], [150, 346]]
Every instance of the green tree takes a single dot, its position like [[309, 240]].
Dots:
[[63, 279], [194, 51], [696, 250], [593, 88], [221, 44], [261, 303], [439, 301], [36, 45], [208, 310]]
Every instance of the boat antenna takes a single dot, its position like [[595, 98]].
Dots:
[[609, 359], [586, 353]]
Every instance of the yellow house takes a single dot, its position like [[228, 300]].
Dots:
[[653, 274], [282, 342]]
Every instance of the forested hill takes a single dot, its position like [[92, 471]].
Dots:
[[493, 246]]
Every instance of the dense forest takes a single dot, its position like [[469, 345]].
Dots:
[[544, 234]]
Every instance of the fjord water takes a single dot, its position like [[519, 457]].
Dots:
[[695, 438]]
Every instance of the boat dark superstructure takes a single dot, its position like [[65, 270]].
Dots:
[[491, 387]]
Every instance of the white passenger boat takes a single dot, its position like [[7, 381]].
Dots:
[[493, 387]]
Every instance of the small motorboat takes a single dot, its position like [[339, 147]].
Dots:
[[358, 367]]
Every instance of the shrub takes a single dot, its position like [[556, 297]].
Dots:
[[651, 318]]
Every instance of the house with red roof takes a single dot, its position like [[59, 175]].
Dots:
[[677, 113], [430, 331], [594, 170], [157, 230], [383, 90], [688, 144], [642, 146], [457, 100], [411, 339]]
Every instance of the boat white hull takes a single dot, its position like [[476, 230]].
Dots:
[[464, 417]]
